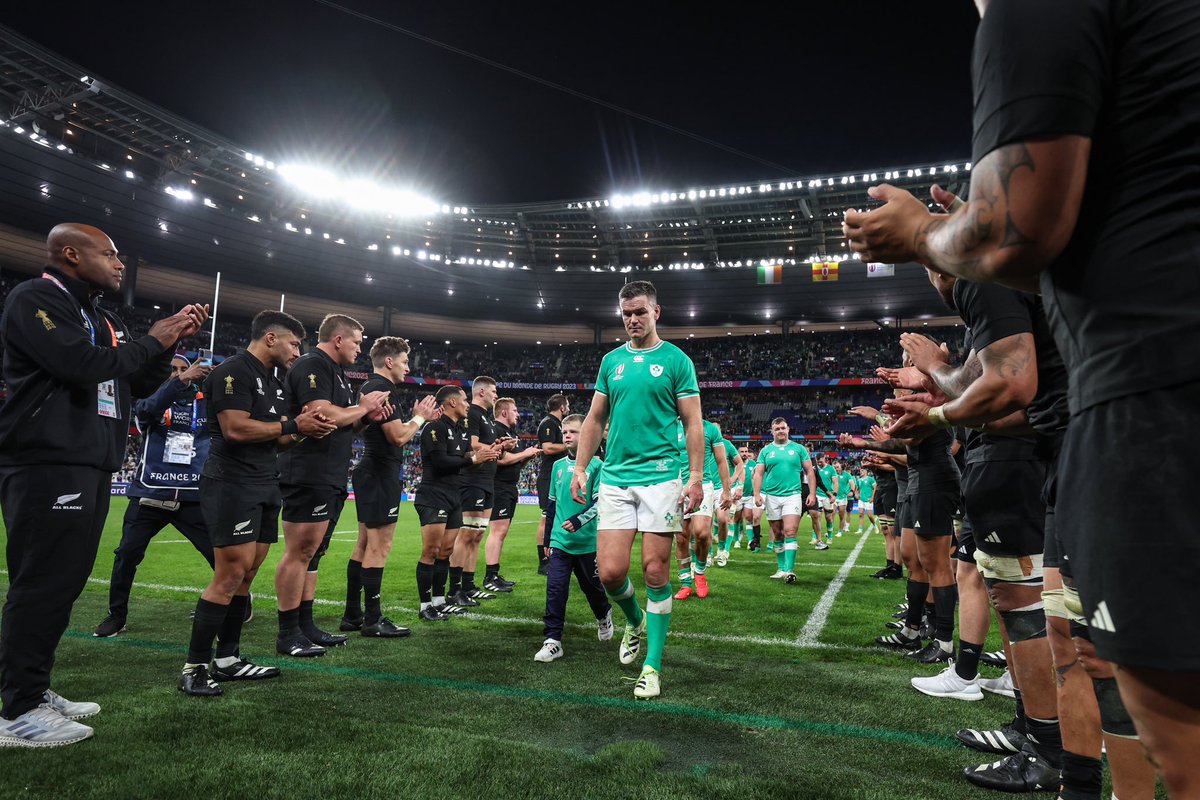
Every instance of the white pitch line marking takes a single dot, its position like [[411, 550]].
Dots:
[[811, 633], [529, 622]]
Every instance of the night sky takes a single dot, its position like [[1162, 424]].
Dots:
[[813, 89]]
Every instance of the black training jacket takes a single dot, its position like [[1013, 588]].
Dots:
[[53, 372]]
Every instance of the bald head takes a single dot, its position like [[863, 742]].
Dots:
[[86, 253]]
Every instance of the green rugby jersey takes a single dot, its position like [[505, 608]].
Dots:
[[730, 454], [748, 483], [712, 438], [783, 468], [828, 473], [845, 484], [642, 387], [583, 539], [866, 488]]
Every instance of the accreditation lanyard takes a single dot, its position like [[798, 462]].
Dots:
[[86, 322]]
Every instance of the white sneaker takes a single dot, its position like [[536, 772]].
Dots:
[[647, 685], [42, 727], [737, 544], [604, 627], [75, 711], [947, 683], [838, 534], [551, 649], [722, 558], [1002, 685], [779, 574], [857, 532]]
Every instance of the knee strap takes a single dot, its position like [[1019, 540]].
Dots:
[[1025, 625], [315, 562], [1114, 718]]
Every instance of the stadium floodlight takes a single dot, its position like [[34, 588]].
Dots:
[[130, 174], [180, 194], [208, 202]]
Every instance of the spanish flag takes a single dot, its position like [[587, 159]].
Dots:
[[770, 274], [825, 271]]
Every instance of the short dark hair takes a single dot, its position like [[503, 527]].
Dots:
[[446, 392], [638, 289], [556, 402], [483, 380], [778, 420], [267, 321], [387, 347], [335, 323]]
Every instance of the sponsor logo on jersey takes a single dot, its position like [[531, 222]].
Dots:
[[63, 499]]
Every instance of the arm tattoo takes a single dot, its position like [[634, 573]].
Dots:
[[953, 382], [958, 243], [1011, 357]]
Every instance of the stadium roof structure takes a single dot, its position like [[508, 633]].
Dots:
[[175, 195]]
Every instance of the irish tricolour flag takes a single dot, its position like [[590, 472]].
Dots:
[[770, 274]]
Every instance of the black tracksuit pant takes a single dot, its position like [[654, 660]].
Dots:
[[53, 516], [142, 523]]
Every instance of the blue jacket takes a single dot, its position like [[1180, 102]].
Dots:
[[169, 411]]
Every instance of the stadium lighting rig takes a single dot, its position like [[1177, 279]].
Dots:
[[362, 195], [645, 199]]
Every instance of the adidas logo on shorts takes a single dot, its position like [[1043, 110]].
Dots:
[[1102, 620], [993, 538]]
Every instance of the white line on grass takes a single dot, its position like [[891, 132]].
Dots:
[[689, 635], [820, 614]]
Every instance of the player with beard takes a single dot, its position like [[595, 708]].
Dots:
[[508, 474], [377, 489]]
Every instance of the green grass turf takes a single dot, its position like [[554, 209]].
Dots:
[[460, 709]]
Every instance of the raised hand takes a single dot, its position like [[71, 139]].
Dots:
[[924, 354], [426, 407]]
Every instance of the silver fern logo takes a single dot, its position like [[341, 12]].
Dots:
[[63, 499]]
